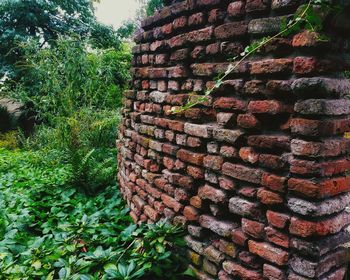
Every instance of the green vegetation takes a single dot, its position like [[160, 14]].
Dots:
[[52, 231], [61, 214]]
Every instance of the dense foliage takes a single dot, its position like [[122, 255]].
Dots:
[[44, 22], [52, 231], [62, 79]]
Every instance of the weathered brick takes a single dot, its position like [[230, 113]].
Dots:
[[171, 203], [323, 148], [272, 66], [248, 154], [236, 9], [213, 194], [270, 141], [253, 228], [269, 198], [273, 273], [240, 271], [278, 220], [242, 172], [227, 135], [191, 213], [190, 157], [222, 228], [277, 237], [233, 29], [319, 189], [213, 162], [201, 35], [230, 103], [245, 208], [264, 26], [198, 130], [268, 252], [324, 227]]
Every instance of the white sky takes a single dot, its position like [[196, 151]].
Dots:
[[114, 12]]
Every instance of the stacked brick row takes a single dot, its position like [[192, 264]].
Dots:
[[256, 173]]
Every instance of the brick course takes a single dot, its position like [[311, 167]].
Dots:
[[258, 173]]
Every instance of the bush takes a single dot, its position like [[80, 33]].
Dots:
[[9, 140], [63, 79], [87, 141]]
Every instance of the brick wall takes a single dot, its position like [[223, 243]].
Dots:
[[258, 172]]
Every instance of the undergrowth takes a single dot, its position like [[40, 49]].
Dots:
[[51, 230]]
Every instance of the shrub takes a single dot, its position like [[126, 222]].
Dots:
[[8, 140], [63, 79]]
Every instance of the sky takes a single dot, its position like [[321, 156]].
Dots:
[[114, 12]]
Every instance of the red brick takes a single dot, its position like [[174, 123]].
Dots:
[[272, 66], [229, 152], [213, 194], [212, 49], [180, 22], [195, 172], [272, 161], [327, 168], [240, 271], [273, 182], [151, 213], [196, 19], [256, 6], [324, 188], [330, 127], [216, 15], [201, 35], [236, 9], [202, 3], [196, 201], [268, 252], [232, 29], [306, 38], [239, 237], [324, 148], [242, 172], [191, 213], [324, 227], [270, 141], [305, 65], [268, 197], [230, 103], [248, 121], [190, 157], [222, 228], [277, 237], [226, 247], [178, 72], [213, 162], [273, 273], [176, 125], [253, 228], [226, 183], [276, 219], [268, 107], [248, 154], [171, 203], [178, 41]]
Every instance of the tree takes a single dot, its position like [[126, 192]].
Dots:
[[45, 21]]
